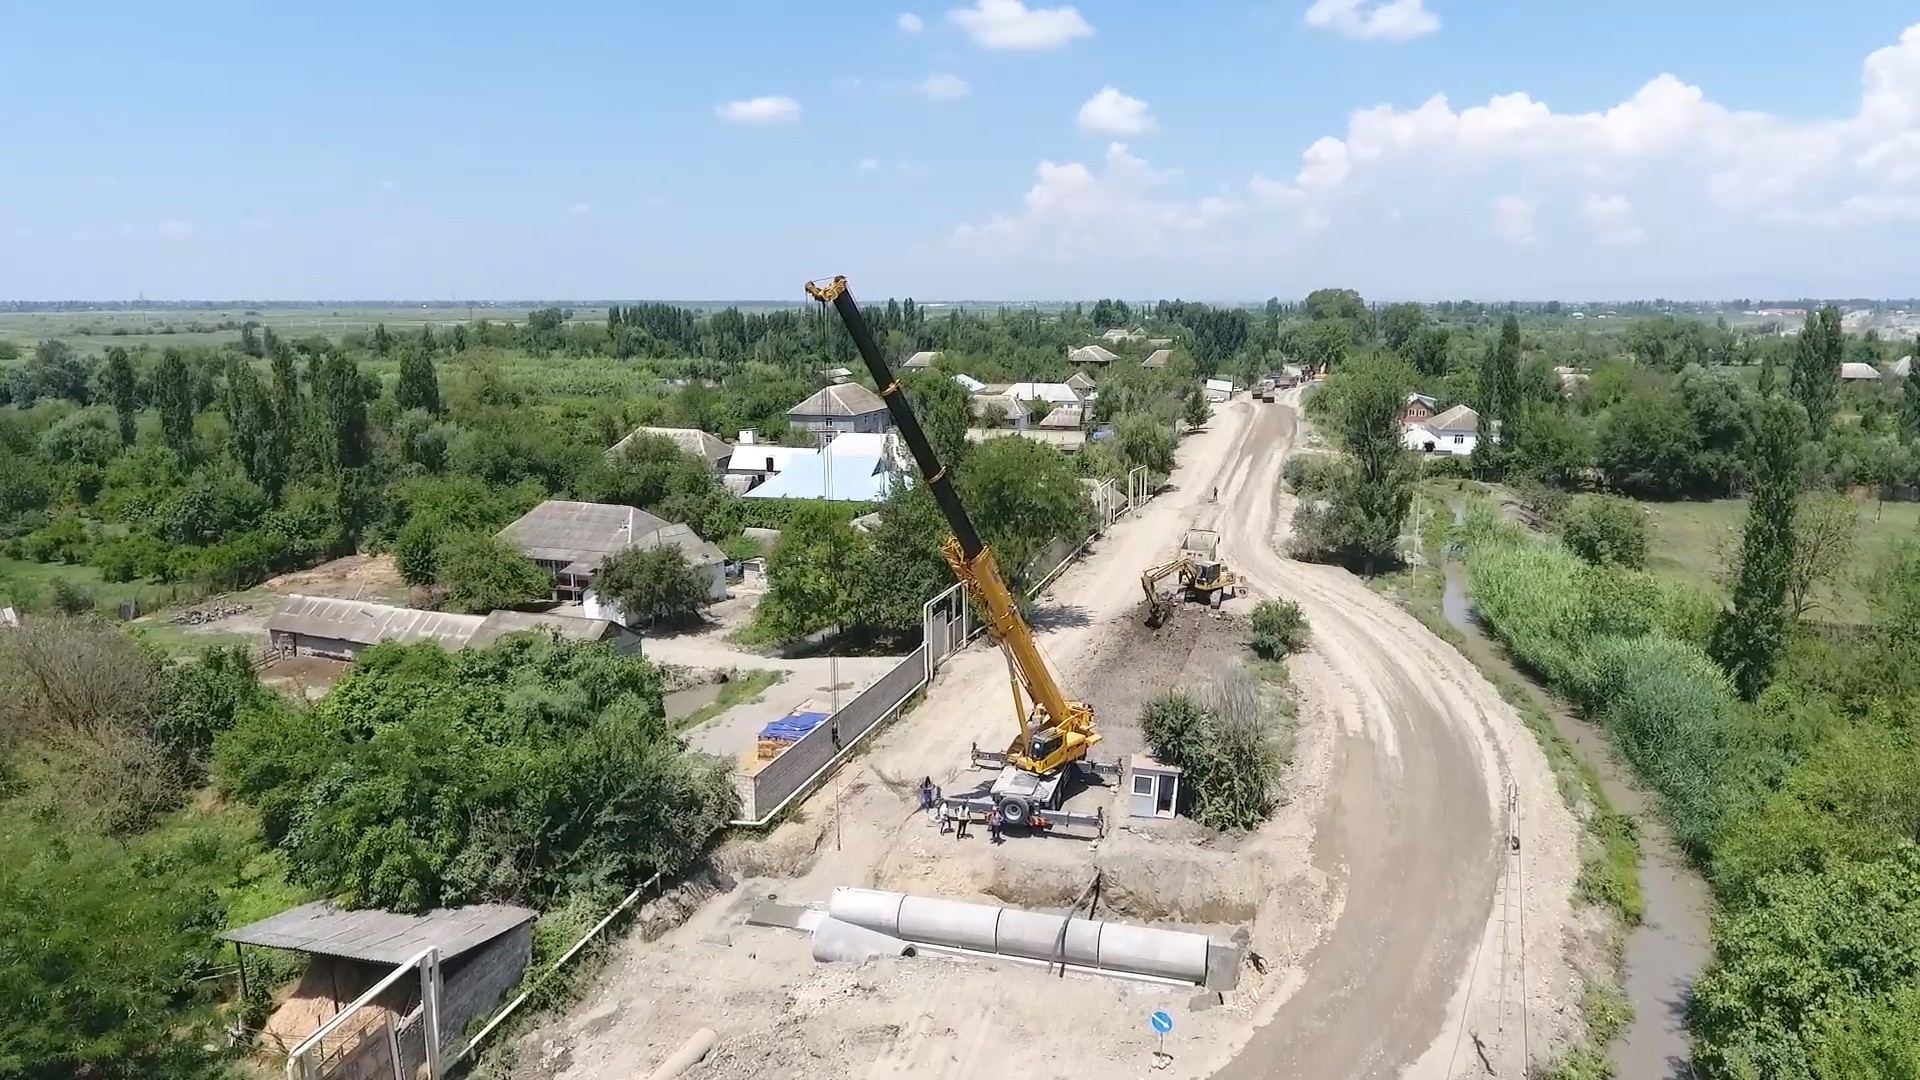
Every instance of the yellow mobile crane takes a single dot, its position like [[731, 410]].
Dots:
[[1054, 738]]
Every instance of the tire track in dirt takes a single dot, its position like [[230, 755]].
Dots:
[[1408, 832]]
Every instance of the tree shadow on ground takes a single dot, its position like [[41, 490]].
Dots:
[[1058, 616]]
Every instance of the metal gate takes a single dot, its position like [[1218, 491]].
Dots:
[[947, 626]]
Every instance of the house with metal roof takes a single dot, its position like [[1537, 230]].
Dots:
[[339, 629], [857, 467], [1854, 371], [571, 539], [971, 384], [841, 407], [1081, 383], [708, 448], [1090, 354], [1157, 359], [920, 361]]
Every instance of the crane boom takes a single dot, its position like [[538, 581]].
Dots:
[[1065, 729]]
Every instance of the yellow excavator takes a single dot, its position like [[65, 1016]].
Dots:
[[1203, 577], [1056, 733]]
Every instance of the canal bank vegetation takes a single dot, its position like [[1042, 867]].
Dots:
[[1802, 805]]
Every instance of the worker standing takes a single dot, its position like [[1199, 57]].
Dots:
[[993, 825]]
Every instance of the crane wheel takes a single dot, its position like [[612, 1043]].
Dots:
[[1015, 811]]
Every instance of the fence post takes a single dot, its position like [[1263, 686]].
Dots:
[[430, 987]]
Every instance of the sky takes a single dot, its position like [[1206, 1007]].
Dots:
[[968, 149]]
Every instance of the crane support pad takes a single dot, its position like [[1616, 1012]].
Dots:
[[1064, 822]]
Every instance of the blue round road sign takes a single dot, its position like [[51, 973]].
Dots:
[[1161, 1022]]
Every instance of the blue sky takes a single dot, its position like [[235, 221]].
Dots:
[[991, 149]]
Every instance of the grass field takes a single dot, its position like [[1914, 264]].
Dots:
[[1693, 540], [21, 581], [91, 332]]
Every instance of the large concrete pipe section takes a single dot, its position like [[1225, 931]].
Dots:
[[1031, 935]]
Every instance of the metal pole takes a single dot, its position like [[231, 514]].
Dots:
[[430, 1012]]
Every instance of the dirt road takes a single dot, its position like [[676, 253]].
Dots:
[[1378, 894], [1425, 971]]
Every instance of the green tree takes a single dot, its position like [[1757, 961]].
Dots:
[[1198, 410], [483, 573], [1751, 637], [1139, 439], [419, 386], [945, 411], [1499, 402], [1343, 304], [122, 391], [252, 423], [1605, 529], [1400, 325], [340, 394], [1024, 498], [813, 575], [654, 585], [382, 340], [1428, 351], [1910, 401], [904, 564], [173, 392], [1815, 381], [1647, 445], [1370, 499]]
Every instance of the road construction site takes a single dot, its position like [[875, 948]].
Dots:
[[1407, 911]]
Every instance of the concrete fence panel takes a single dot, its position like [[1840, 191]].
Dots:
[[807, 760]]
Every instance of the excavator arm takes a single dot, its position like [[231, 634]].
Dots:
[[1150, 581], [1061, 731]]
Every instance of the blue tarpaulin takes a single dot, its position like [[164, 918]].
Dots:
[[793, 726]]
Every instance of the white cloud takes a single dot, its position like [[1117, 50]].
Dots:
[[1072, 211], [868, 164], [1513, 219], [579, 209], [172, 228], [772, 109], [909, 23], [1612, 220], [1111, 112], [943, 86], [1374, 20], [386, 185], [1668, 136], [1010, 24]]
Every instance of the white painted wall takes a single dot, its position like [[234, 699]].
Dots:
[[1418, 439]]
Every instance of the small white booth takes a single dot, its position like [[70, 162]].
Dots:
[[1153, 789]]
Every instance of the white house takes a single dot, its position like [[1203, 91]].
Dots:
[[1455, 432], [1219, 389], [1854, 371], [971, 384], [920, 361]]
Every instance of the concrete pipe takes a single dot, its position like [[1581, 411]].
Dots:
[[875, 909], [834, 940], [1037, 935], [989, 928], [1143, 950], [950, 922], [690, 1054]]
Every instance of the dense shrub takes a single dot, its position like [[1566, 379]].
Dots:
[[524, 771], [1311, 474], [1819, 978], [1226, 746], [1279, 628], [1445, 467], [1605, 529], [656, 585]]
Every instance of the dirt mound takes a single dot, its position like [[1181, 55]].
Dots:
[[1135, 663]]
